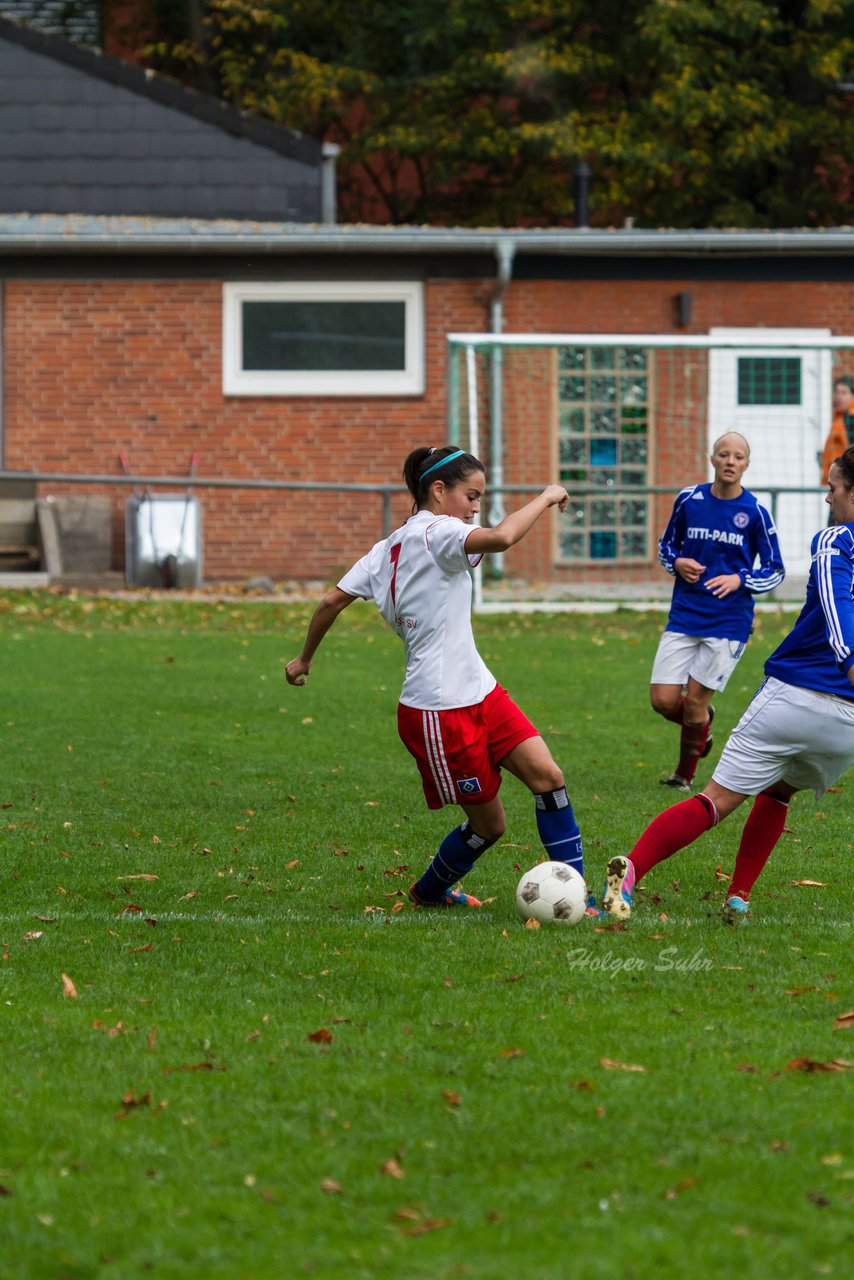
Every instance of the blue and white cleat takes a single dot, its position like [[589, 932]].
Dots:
[[619, 886], [450, 898], [593, 909], [735, 909]]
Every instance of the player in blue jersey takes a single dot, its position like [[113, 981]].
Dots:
[[797, 734], [716, 534]]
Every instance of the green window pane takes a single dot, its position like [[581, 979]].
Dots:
[[634, 452], [318, 336], [603, 390], [632, 545], [604, 421], [572, 388], [633, 391], [572, 451], [602, 513], [633, 358], [572, 419], [769, 380], [628, 477], [602, 357], [572, 545], [603, 545], [571, 358], [633, 511]]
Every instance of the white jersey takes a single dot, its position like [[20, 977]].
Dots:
[[418, 579]]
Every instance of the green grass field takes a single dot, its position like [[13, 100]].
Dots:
[[272, 1067]]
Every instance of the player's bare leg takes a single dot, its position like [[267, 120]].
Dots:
[[693, 711]]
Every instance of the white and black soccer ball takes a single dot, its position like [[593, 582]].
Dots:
[[552, 893]]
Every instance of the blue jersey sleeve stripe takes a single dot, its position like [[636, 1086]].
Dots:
[[824, 581]]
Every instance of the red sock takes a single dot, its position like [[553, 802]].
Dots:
[[671, 831], [762, 830], [691, 743]]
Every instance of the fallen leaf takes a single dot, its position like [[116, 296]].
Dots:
[[798, 991], [392, 1168], [141, 876], [406, 1213], [294, 862], [429, 1224], [817, 1199], [745, 1066], [720, 874], [811, 884], [844, 1020], [532, 923], [323, 1036], [31, 937], [148, 947], [672, 1192], [151, 1040], [810, 1065], [131, 1100], [453, 1099], [611, 1065], [68, 988], [512, 1053], [330, 1187], [581, 1084]]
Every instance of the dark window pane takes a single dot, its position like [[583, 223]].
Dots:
[[769, 380], [340, 336]]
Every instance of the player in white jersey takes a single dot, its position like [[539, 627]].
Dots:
[[715, 535], [458, 723], [797, 734]]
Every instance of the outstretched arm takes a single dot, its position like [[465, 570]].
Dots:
[[333, 603], [514, 527]]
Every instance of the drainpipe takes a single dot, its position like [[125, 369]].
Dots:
[[328, 183], [505, 252]]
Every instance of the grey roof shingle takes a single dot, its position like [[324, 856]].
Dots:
[[81, 132]]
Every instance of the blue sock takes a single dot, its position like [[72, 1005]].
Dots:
[[558, 829], [454, 858]]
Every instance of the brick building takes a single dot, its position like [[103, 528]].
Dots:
[[162, 310]]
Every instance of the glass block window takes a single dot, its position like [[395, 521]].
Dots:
[[604, 431], [355, 338], [769, 380]]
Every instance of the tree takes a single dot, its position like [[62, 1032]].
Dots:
[[470, 112]]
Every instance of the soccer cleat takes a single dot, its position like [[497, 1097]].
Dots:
[[619, 883], [735, 908], [710, 741], [593, 909], [677, 782], [450, 898]]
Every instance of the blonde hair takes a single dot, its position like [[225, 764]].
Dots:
[[731, 433]]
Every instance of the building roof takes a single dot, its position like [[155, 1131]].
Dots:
[[83, 132], [82, 234]]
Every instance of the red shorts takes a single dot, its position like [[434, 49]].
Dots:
[[458, 752]]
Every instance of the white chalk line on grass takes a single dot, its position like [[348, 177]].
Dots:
[[380, 915]]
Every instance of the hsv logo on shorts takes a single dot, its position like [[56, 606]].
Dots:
[[468, 786]]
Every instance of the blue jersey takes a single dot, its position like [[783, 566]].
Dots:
[[727, 535], [819, 649]]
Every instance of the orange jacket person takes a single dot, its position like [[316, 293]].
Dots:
[[838, 438]]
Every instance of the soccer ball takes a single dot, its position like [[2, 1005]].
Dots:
[[552, 893]]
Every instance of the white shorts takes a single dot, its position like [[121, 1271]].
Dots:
[[710, 660], [788, 734]]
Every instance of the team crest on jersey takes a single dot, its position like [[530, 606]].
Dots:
[[468, 786], [741, 520]]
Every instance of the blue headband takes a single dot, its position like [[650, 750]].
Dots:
[[450, 457]]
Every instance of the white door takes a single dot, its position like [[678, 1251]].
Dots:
[[779, 398]]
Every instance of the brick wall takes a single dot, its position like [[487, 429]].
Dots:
[[94, 367]]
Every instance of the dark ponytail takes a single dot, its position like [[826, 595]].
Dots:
[[845, 463], [423, 460]]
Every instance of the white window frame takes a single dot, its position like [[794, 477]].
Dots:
[[237, 381]]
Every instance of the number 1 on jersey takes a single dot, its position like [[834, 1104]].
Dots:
[[394, 556]]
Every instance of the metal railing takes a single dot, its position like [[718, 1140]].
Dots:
[[385, 491]]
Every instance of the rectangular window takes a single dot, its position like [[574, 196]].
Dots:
[[769, 380], [604, 430], [323, 339]]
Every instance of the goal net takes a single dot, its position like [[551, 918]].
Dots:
[[625, 421]]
